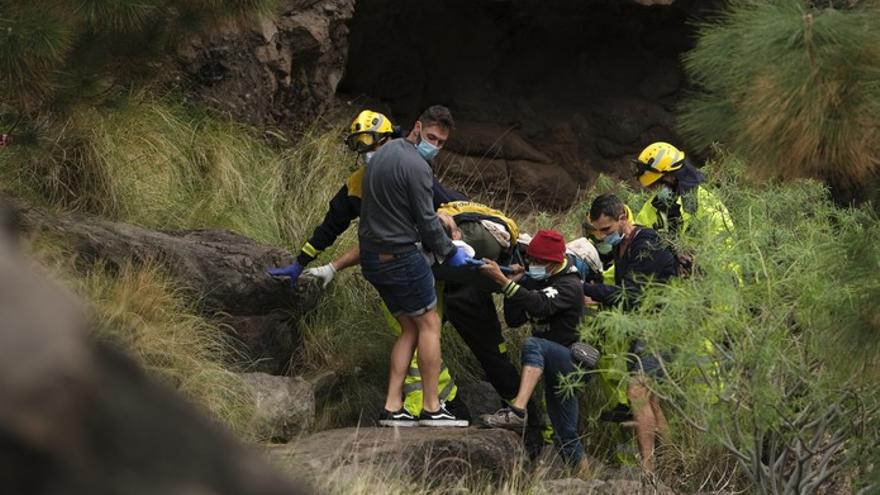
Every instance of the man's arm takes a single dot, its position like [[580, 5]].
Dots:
[[343, 209], [604, 294], [420, 182], [543, 303]]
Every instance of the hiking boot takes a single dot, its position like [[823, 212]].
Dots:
[[401, 417], [585, 355], [507, 417], [442, 417]]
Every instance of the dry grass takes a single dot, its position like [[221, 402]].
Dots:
[[138, 309]]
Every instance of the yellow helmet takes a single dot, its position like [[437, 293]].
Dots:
[[369, 130], [656, 160]]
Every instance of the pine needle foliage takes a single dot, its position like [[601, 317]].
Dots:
[[792, 86], [53, 52], [772, 367]]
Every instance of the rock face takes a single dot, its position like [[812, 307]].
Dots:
[[436, 454], [224, 271], [284, 406], [80, 418], [280, 72], [547, 94], [480, 398]]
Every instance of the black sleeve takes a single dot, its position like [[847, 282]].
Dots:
[[343, 209], [650, 261], [444, 195], [520, 303], [604, 294]]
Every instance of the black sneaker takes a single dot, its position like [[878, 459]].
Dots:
[[401, 418], [459, 408], [441, 418], [507, 417]]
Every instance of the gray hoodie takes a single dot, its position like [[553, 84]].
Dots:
[[397, 208]]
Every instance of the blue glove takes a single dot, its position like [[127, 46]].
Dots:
[[293, 271], [460, 258]]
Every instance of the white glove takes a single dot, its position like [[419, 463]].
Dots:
[[323, 273]]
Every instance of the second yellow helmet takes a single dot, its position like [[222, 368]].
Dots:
[[656, 160]]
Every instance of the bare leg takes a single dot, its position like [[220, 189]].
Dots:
[[661, 424], [401, 355], [527, 382], [646, 422], [428, 326]]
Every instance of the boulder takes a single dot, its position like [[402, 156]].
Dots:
[[279, 71], [488, 140], [574, 486], [543, 183], [79, 417], [224, 272], [571, 486], [267, 340], [624, 119], [480, 398], [663, 80], [437, 454], [472, 172], [283, 406]]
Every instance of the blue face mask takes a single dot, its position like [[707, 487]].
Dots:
[[537, 272], [426, 149], [613, 239]]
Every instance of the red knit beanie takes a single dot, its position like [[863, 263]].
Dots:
[[547, 245]]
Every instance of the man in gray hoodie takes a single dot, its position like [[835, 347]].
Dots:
[[397, 215]]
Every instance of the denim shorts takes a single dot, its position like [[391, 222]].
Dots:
[[639, 360], [404, 281]]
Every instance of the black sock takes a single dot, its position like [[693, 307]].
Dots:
[[519, 412]]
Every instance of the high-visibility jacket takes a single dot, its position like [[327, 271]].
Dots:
[[700, 204]]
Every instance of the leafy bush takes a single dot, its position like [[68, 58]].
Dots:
[[792, 86], [785, 391]]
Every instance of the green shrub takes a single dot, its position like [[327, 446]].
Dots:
[[794, 349]]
